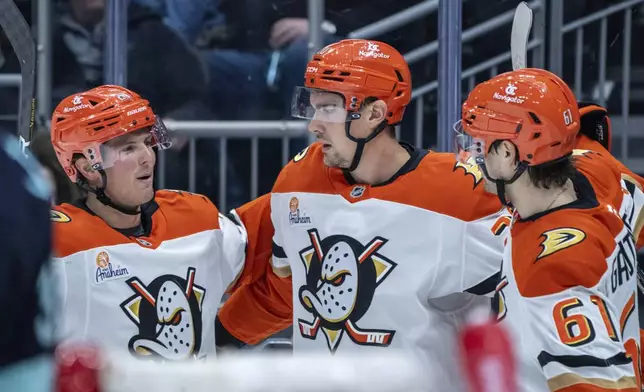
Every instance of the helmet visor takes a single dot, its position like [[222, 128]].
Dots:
[[131, 146], [468, 149], [320, 105]]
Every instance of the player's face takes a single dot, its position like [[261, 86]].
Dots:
[[130, 176], [337, 148]]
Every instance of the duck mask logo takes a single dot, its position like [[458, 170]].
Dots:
[[341, 279], [168, 314]]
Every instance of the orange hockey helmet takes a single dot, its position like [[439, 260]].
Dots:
[[356, 69], [83, 122], [533, 108]]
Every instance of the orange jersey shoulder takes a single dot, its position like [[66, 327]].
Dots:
[[563, 249], [601, 168], [176, 214], [438, 183]]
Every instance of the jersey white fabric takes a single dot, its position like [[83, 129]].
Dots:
[[390, 265], [154, 295], [568, 296]]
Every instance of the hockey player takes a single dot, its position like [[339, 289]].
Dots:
[[26, 285], [385, 244], [568, 283], [595, 136], [141, 271], [594, 143]]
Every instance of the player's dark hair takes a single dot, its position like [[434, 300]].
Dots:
[[546, 175]]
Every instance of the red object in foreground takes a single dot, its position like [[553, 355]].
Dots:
[[487, 355], [77, 368]]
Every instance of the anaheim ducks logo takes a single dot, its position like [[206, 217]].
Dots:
[[58, 217], [167, 313], [472, 169], [341, 278], [300, 155], [560, 239]]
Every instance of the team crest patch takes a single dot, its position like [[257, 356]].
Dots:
[[341, 279], [167, 313], [472, 169], [358, 191], [107, 271], [559, 239], [300, 155], [58, 217], [297, 216]]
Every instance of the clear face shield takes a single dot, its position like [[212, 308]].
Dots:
[[468, 149], [319, 105], [133, 146]]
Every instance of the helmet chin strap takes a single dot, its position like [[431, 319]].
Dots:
[[104, 199], [360, 141], [500, 184]]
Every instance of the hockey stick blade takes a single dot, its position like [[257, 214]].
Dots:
[[19, 34], [521, 26]]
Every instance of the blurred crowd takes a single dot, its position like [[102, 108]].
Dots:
[[240, 60]]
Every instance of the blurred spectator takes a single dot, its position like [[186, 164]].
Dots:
[[255, 59], [161, 66]]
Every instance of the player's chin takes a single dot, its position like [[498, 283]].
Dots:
[[143, 195]]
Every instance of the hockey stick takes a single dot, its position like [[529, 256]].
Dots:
[[521, 26], [19, 34]]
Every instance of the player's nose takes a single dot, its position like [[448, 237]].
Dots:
[[316, 127]]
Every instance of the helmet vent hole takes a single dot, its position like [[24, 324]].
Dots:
[[399, 75], [555, 144], [333, 78], [345, 73], [534, 118], [317, 58], [328, 72], [110, 118], [99, 128], [399, 93], [112, 124], [92, 102], [107, 108]]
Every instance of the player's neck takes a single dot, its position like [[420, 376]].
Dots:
[[530, 200], [112, 217], [381, 160]]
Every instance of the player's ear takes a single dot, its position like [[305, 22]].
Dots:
[[378, 112], [85, 169], [509, 152]]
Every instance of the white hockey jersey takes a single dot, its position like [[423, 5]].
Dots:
[[568, 290], [392, 265], [154, 295]]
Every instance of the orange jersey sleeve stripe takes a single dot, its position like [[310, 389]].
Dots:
[[569, 382]]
